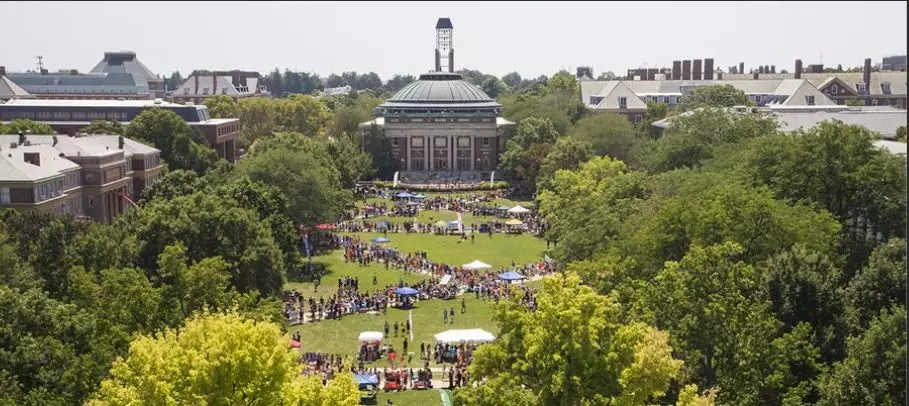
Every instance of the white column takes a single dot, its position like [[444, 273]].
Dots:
[[407, 151], [473, 144], [430, 152]]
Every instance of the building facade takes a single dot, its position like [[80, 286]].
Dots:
[[97, 177], [118, 76], [235, 84], [441, 123], [71, 116]]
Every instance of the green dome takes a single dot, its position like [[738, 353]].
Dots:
[[441, 88]]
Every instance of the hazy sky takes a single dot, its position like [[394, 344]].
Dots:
[[531, 38]]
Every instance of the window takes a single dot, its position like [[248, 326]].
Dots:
[[673, 100], [4, 195], [394, 142], [204, 90], [874, 102], [78, 115], [416, 142], [862, 89], [623, 102], [834, 89], [595, 100], [463, 142], [885, 87], [637, 118], [809, 100], [485, 141]]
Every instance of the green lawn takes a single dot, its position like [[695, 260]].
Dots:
[[340, 336], [336, 268], [411, 398], [498, 251]]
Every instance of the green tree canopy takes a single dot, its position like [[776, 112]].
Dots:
[[524, 153], [105, 128], [714, 96], [181, 146], [607, 134], [222, 106]]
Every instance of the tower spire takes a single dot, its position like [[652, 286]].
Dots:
[[444, 44]]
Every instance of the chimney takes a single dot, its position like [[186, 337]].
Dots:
[[772, 68], [676, 70], [686, 70], [120, 141], [766, 68], [697, 70], [214, 84], [43, 71], [196, 81], [798, 69], [2, 70], [866, 75], [708, 69], [73, 72], [741, 68], [651, 74], [760, 69]]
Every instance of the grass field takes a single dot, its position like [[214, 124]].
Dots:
[[411, 398], [498, 251]]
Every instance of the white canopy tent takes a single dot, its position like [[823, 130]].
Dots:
[[445, 279], [519, 210], [473, 336], [371, 336], [476, 265]]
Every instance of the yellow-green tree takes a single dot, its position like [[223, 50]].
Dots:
[[217, 359], [573, 350], [222, 106]]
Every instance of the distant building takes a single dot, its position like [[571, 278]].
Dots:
[[236, 84], [97, 176], [10, 90], [871, 88], [882, 120], [335, 91], [630, 97], [71, 116], [442, 123], [118, 76]]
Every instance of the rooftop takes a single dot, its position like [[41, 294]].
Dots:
[[91, 103], [439, 89], [444, 23]]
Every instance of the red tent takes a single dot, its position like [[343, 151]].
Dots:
[[326, 227]]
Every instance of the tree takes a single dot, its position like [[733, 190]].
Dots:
[[901, 134], [26, 126], [710, 304], [209, 225], [14, 272], [512, 79], [379, 148], [234, 360], [309, 180], [175, 183], [258, 118], [524, 154], [607, 134], [874, 371], [881, 284], [563, 82], [104, 128], [714, 96], [399, 81], [519, 108], [222, 106], [568, 153], [369, 80], [181, 146], [51, 352], [608, 75], [303, 114], [573, 350], [493, 86], [655, 112]]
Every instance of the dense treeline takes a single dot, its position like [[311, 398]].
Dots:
[[775, 263]]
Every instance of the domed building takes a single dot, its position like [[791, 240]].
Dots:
[[442, 123]]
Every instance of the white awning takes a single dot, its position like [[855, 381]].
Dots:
[[474, 336], [518, 210], [371, 336], [476, 265]]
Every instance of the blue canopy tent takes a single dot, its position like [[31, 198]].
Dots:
[[511, 276], [380, 240], [404, 195], [419, 196], [405, 291]]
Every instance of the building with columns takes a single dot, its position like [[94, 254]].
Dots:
[[442, 123]]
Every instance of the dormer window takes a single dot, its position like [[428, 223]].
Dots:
[[885, 87], [809, 100], [861, 88], [623, 102], [595, 100]]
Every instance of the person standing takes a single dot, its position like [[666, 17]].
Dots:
[[451, 313], [450, 377], [444, 317], [463, 305], [405, 345], [386, 328], [396, 329]]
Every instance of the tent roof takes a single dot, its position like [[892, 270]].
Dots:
[[369, 336], [519, 209], [514, 222], [475, 335], [511, 276], [477, 265]]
